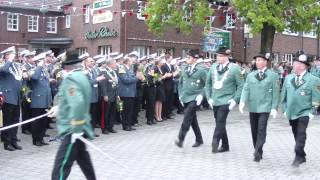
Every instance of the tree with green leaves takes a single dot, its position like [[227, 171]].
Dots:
[[270, 16], [263, 16], [182, 14]]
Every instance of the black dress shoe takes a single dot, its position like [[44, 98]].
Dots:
[[223, 149], [132, 129], [297, 161], [164, 119], [149, 122], [104, 131], [26, 132], [197, 144], [257, 158], [16, 146], [9, 147], [179, 143], [44, 143], [96, 135], [112, 131], [127, 129], [215, 148], [153, 122], [38, 143]]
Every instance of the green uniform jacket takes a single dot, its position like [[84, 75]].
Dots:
[[74, 104], [262, 94], [192, 84], [315, 71], [300, 101], [232, 86]]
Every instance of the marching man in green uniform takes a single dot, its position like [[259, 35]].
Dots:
[[223, 89], [315, 69], [73, 120], [300, 98], [191, 92], [261, 92]]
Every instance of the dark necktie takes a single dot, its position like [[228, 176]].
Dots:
[[261, 74], [297, 80]]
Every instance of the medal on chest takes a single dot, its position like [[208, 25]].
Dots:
[[218, 84]]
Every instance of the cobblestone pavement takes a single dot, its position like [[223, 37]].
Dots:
[[150, 153]]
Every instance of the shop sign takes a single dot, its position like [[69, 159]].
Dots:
[[104, 32]]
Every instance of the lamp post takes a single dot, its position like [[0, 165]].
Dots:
[[318, 37], [43, 10]]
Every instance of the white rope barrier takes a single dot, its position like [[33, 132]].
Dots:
[[24, 122]]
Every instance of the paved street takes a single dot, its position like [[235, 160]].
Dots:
[[149, 153]]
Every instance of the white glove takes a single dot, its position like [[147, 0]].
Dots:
[[232, 104], [199, 99], [210, 102], [311, 116], [285, 115], [273, 113], [41, 63], [241, 107], [75, 136], [181, 102], [53, 112]]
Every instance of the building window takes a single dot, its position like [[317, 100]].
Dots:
[[68, 21], [185, 53], [287, 31], [33, 23], [51, 25], [82, 50], [142, 50], [164, 50], [12, 22], [288, 58], [141, 9], [86, 12], [311, 34], [104, 50]]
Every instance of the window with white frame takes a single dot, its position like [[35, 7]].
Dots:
[[82, 50], [185, 53], [287, 31], [164, 50], [141, 9], [68, 21], [51, 25], [288, 58], [311, 34], [13, 22], [104, 50], [33, 23], [86, 11], [142, 50]]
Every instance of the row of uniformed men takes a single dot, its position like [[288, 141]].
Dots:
[[37, 78], [225, 86]]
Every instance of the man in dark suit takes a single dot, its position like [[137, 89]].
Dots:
[[128, 90], [41, 99], [10, 86], [168, 84], [109, 88]]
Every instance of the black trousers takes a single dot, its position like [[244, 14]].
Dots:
[[67, 154], [137, 108], [26, 114], [299, 130], [177, 103], [127, 113], [167, 105], [220, 132], [94, 110], [110, 115], [150, 102], [258, 123], [11, 115], [39, 126], [190, 119]]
